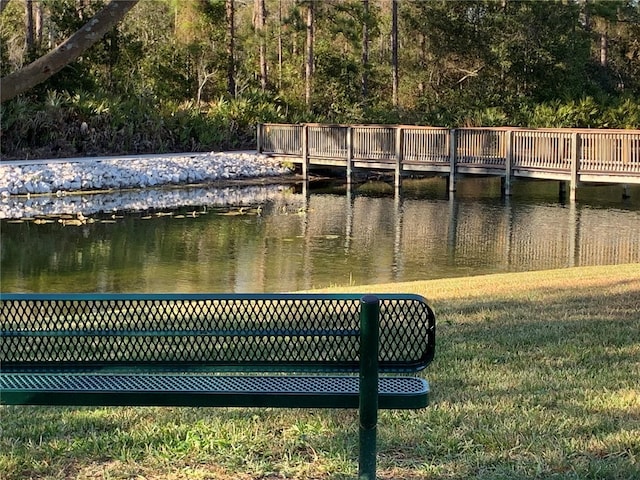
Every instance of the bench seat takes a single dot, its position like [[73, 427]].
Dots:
[[207, 390]]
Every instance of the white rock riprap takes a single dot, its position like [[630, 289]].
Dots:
[[91, 185], [132, 172]]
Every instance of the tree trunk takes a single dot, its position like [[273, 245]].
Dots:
[[394, 50], [309, 60], [260, 16], [231, 39], [604, 47], [586, 14], [279, 44], [29, 29], [365, 49], [38, 19], [43, 68], [422, 62]]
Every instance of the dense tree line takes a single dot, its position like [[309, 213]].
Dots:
[[199, 74]]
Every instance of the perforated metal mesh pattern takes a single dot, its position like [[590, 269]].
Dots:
[[190, 331], [202, 383]]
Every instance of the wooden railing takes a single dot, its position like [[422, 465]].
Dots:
[[610, 152], [480, 147], [550, 150], [280, 139], [574, 155], [429, 145], [374, 143]]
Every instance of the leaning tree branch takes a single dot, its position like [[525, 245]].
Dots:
[[68, 51], [3, 4]]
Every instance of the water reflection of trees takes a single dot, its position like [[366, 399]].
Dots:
[[300, 243]]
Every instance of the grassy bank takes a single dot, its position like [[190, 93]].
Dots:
[[536, 376]]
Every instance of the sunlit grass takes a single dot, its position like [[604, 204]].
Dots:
[[537, 375]]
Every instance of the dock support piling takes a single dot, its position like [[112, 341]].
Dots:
[[575, 161], [399, 155], [452, 160], [259, 137], [562, 190], [305, 152], [506, 180], [349, 155]]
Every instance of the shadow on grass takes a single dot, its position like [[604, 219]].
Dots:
[[540, 387]]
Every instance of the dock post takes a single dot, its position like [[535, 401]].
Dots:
[[259, 133], [399, 157], [562, 190], [349, 155], [576, 153], [305, 152], [506, 185], [452, 160]]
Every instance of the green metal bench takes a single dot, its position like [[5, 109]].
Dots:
[[242, 350]]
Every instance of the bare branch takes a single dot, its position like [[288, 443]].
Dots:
[[469, 74]]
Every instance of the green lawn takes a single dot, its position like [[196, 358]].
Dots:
[[537, 375]]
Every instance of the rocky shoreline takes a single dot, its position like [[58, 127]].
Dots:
[[88, 186], [109, 173]]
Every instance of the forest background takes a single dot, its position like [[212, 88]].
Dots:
[[198, 75]]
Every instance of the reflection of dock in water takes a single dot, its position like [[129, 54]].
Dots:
[[392, 238]]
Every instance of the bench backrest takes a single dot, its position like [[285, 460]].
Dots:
[[246, 332]]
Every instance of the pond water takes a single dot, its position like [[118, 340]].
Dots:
[[287, 239]]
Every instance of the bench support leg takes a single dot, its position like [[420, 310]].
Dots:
[[369, 333]]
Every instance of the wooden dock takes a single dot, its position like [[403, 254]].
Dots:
[[571, 156]]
